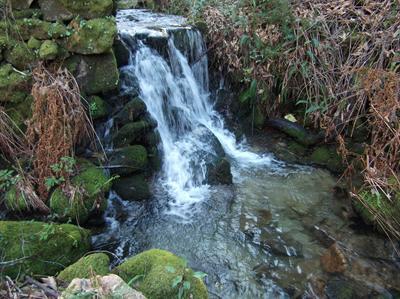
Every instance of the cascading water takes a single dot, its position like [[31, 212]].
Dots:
[[177, 96], [258, 238]]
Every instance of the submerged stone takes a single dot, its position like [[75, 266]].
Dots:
[[130, 159], [158, 270], [86, 267], [91, 37], [37, 248], [132, 188]]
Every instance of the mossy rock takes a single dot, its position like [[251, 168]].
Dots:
[[14, 86], [98, 107], [27, 13], [93, 183], [15, 201], [130, 112], [95, 74], [20, 4], [134, 187], [48, 50], [37, 248], [20, 112], [67, 9], [91, 37], [20, 56], [86, 267], [129, 159], [131, 132], [127, 4], [158, 269], [328, 157], [34, 44], [27, 28]]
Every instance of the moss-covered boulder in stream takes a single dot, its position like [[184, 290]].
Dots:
[[66, 9], [129, 159], [95, 74], [37, 248], [14, 86], [86, 267], [131, 133], [328, 157], [91, 37], [130, 112], [91, 183], [134, 187], [98, 108], [160, 274]]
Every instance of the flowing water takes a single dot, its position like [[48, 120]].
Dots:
[[253, 238]]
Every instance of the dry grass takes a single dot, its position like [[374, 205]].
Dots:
[[59, 121]]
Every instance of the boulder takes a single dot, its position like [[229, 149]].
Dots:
[[333, 260], [37, 248], [129, 159], [86, 267], [66, 9], [122, 52], [134, 187], [130, 112], [328, 157], [91, 183], [27, 13], [95, 74], [219, 173], [14, 86], [161, 275], [27, 28], [110, 286], [48, 50], [91, 37], [34, 43], [131, 132]]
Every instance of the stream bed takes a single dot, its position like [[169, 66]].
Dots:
[[264, 235]]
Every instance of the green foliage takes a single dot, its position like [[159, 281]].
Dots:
[[65, 166], [7, 179]]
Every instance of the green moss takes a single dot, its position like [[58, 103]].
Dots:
[[20, 112], [131, 132], [27, 13], [20, 56], [130, 112], [37, 248], [97, 107], [48, 50], [86, 267], [91, 37], [88, 9], [133, 157], [26, 28], [14, 86], [34, 43], [15, 201], [328, 157], [158, 269], [93, 183]]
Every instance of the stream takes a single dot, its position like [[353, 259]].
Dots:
[[262, 236]]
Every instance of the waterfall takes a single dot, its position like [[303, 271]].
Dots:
[[173, 83]]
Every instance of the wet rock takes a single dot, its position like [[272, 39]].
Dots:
[[219, 173], [66, 9], [151, 139], [344, 288], [158, 269], [91, 37], [110, 286], [95, 74], [282, 247], [131, 133], [127, 160], [132, 188], [122, 52], [328, 157], [37, 248], [322, 236], [86, 267], [130, 112], [333, 260], [294, 130]]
